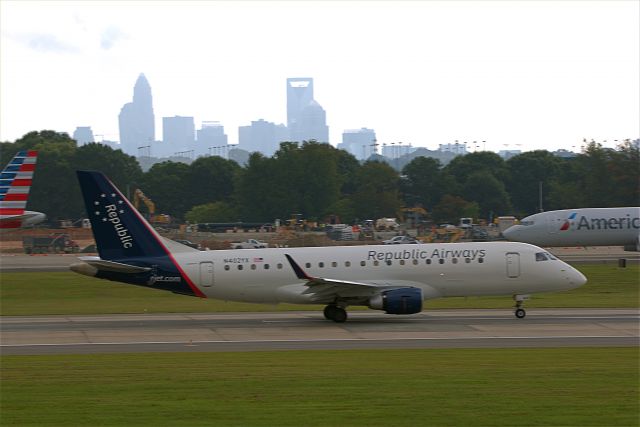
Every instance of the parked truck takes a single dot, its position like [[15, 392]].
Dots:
[[54, 243], [249, 244]]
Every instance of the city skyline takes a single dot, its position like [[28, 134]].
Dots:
[[518, 75]]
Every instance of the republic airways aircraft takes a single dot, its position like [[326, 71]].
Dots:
[[15, 183], [394, 279], [580, 227]]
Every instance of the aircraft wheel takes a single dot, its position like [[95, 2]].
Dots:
[[329, 311], [339, 315], [520, 313]]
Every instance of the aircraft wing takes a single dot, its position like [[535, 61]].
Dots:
[[326, 290], [21, 217]]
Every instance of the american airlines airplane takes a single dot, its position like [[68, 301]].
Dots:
[[580, 227], [15, 183], [394, 279]]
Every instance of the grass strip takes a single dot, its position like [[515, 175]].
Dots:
[[69, 293], [440, 387]]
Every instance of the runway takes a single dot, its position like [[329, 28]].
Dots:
[[309, 331]]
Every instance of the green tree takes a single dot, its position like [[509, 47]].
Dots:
[[212, 212], [211, 179], [485, 189], [451, 208], [377, 192], [258, 194], [122, 169], [425, 182], [598, 177], [304, 179], [528, 171], [624, 166], [166, 184], [461, 167]]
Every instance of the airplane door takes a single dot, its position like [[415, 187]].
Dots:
[[206, 274], [513, 264]]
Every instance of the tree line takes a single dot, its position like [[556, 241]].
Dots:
[[317, 180]]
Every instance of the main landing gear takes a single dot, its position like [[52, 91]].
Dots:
[[335, 313], [519, 312]]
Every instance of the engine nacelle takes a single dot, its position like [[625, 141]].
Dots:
[[398, 301], [633, 248]]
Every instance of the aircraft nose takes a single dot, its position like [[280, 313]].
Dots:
[[575, 278], [510, 233]]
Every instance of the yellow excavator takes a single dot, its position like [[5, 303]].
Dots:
[[160, 219]]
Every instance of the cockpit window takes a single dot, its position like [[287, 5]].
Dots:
[[529, 222], [551, 256], [541, 256]]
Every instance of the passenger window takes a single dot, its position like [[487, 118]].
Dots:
[[428, 261], [401, 262], [279, 266], [308, 265], [347, 264], [455, 260], [388, 262], [253, 266], [480, 260], [363, 263], [239, 266], [467, 260], [415, 262], [334, 264], [376, 263], [266, 266], [321, 264], [226, 267], [441, 260]]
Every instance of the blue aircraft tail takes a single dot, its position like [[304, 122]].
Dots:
[[118, 228], [130, 250]]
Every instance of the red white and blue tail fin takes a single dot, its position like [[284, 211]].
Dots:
[[15, 183]]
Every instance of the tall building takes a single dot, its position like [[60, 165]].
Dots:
[[211, 140], [83, 135], [394, 151], [262, 136], [359, 142], [136, 119], [306, 119], [178, 135], [456, 148]]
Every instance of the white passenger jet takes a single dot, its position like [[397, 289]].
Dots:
[[395, 279], [580, 227], [15, 183]]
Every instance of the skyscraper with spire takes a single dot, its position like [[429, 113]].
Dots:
[[136, 119]]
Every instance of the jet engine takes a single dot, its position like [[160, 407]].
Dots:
[[398, 301], [633, 248]]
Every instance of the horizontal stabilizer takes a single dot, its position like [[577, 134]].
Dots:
[[119, 267]]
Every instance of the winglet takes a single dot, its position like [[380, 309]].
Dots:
[[298, 270]]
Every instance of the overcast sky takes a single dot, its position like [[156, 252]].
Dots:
[[518, 75]]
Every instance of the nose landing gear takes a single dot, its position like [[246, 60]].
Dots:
[[335, 313], [519, 299]]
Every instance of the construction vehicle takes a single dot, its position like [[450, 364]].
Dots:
[[297, 223], [155, 219], [412, 217], [54, 243], [387, 224]]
